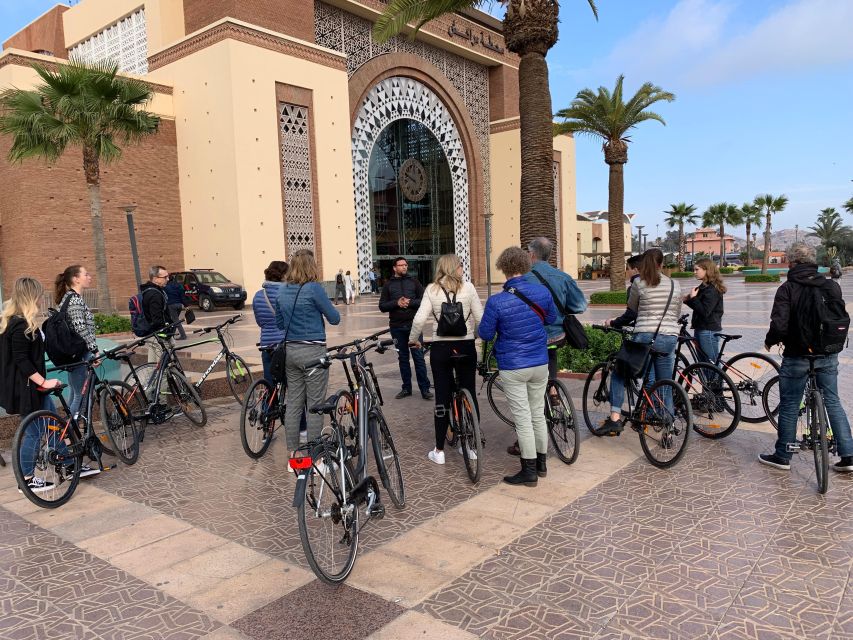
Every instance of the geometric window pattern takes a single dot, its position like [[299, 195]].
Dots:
[[394, 99], [124, 42], [557, 209], [351, 35], [296, 180]]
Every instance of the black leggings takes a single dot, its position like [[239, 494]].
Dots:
[[442, 379]]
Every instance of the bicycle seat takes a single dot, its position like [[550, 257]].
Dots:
[[728, 336], [327, 407]]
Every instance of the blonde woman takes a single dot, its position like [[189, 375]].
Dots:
[[349, 285], [448, 285], [68, 290], [706, 300], [22, 370], [301, 307]]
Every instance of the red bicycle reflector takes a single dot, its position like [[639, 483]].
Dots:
[[298, 464]]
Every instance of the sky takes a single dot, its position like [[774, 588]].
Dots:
[[764, 99]]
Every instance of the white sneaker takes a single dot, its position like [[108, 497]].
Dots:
[[472, 455], [436, 456]]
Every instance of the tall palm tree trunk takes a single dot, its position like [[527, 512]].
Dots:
[[766, 259], [722, 245], [92, 170], [748, 229], [615, 206], [537, 152], [682, 246]]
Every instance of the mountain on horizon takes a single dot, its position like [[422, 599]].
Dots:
[[781, 239]]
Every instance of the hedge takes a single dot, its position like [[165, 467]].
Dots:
[[762, 277], [727, 270], [609, 297], [681, 274], [111, 323], [601, 345]]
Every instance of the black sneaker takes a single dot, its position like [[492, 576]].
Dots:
[[844, 465], [772, 460], [427, 395], [403, 394], [610, 428]]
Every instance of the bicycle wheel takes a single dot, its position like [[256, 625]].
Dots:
[[681, 363], [770, 399], [713, 398], [347, 421], [258, 417], [55, 462], [186, 399], [497, 399], [664, 428], [387, 460], [145, 373], [238, 375], [820, 445], [468, 428], [751, 372], [328, 526], [118, 421], [562, 422], [596, 397]]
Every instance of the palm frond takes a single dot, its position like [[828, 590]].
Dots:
[[400, 13]]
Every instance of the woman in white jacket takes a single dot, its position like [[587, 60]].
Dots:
[[350, 288], [449, 286]]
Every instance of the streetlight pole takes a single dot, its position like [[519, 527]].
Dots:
[[488, 217], [796, 233], [128, 210], [645, 235], [640, 228]]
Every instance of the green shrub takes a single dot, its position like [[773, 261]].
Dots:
[[727, 270], [111, 323], [601, 345], [761, 277], [744, 267], [681, 274], [609, 297]]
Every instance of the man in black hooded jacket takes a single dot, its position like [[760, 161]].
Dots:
[[793, 374]]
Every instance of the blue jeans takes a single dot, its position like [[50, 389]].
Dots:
[[792, 384], [266, 359], [76, 380], [662, 369], [709, 345], [401, 335], [30, 441]]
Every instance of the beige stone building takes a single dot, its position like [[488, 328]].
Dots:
[[593, 239], [286, 125]]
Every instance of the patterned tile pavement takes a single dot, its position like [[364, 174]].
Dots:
[[198, 541]]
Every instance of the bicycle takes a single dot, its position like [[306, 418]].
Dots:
[[332, 481], [812, 423], [749, 371], [57, 457], [464, 422], [237, 372], [560, 414], [663, 428]]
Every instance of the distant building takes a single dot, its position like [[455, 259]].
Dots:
[[593, 238], [707, 240]]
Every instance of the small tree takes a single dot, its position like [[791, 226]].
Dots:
[[770, 204], [86, 106], [721, 215], [830, 228], [677, 216], [752, 216]]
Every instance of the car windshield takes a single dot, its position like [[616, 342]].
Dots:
[[211, 277]]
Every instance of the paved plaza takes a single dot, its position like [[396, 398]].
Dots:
[[198, 541]]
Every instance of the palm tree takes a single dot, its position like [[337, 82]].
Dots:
[[848, 206], [607, 116], [530, 30], [720, 215], [830, 228], [752, 216], [86, 106], [770, 204], [679, 215]]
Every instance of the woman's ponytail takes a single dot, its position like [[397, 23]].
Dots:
[[63, 282]]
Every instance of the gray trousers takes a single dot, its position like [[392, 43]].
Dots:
[[525, 392], [305, 388]]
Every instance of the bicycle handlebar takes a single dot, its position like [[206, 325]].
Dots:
[[339, 353], [219, 327], [607, 329]]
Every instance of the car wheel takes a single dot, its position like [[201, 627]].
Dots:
[[205, 303], [239, 305]]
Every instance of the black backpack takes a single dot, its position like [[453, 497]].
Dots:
[[821, 320], [62, 343], [339, 279], [451, 323]]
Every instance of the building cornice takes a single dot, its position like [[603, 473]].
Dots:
[[509, 124], [231, 29], [26, 59]]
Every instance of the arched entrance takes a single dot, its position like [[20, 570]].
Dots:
[[411, 199], [427, 135]]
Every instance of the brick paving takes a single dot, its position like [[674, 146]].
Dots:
[[198, 541]]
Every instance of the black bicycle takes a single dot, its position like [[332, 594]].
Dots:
[[812, 424], [659, 412], [48, 449], [332, 480], [560, 414]]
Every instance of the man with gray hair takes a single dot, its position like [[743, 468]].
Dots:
[[794, 309], [155, 306]]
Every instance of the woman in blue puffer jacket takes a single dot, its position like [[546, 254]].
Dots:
[[263, 306], [521, 349]]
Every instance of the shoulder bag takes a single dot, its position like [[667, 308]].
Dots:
[[632, 357], [539, 311], [278, 361], [575, 333]]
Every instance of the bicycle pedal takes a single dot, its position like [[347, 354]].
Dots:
[[377, 511], [793, 448]]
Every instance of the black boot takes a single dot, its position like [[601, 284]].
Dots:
[[527, 476], [541, 469]]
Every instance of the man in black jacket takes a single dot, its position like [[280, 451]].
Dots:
[[400, 299], [155, 306], [793, 374]]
